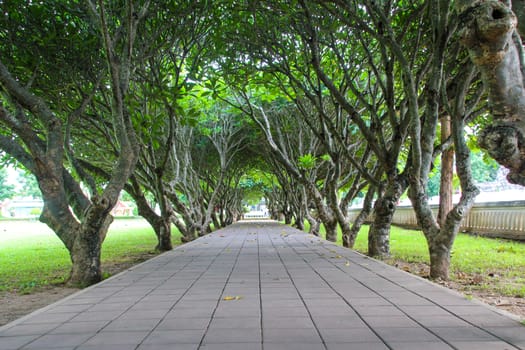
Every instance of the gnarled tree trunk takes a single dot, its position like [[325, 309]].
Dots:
[[384, 208], [487, 33], [163, 232], [328, 220], [315, 225], [82, 239], [299, 222], [187, 225], [441, 238], [85, 252]]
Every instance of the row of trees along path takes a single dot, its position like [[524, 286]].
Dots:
[[192, 108]]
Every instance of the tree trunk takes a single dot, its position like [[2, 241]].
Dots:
[[384, 208], [447, 171], [440, 244], [361, 218], [346, 230], [440, 237], [299, 222], [163, 232], [85, 255], [327, 219], [229, 218], [331, 230], [84, 251], [82, 239], [191, 233], [315, 225], [161, 224], [187, 226], [488, 29], [518, 6], [185, 231], [288, 217], [215, 220], [379, 232], [222, 218], [439, 260], [339, 211]]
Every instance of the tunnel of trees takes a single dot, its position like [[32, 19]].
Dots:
[[197, 106]]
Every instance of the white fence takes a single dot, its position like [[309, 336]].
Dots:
[[256, 215], [495, 219]]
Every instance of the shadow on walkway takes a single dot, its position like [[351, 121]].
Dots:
[[261, 285]]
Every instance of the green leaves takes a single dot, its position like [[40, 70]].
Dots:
[[6, 190], [307, 161]]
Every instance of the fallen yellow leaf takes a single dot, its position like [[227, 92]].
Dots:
[[229, 297]]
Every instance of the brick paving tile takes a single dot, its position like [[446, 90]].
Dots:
[[264, 286]]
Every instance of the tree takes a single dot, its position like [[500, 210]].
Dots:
[[6, 190], [281, 59], [40, 112], [411, 81], [294, 147], [385, 120], [459, 98], [489, 33], [166, 103], [484, 169], [29, 185]]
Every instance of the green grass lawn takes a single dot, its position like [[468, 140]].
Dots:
[[30, 260], [478, 263]]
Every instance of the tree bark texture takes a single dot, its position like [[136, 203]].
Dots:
[[163, 233], [299, 222], [288, 216], [488, 31], [447, 172], [85, 253], [384, 208], [188, 225], [518, 7], [315, 225], [331, 230], [339, 212], [361, 218]]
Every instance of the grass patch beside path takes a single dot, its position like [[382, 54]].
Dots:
[[33, 257], [478, 264], [493, 266]]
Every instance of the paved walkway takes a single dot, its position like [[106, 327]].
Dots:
[[263, 286]]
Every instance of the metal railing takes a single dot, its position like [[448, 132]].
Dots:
[[494, 219]]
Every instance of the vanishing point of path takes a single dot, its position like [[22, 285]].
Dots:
[[264, 286]]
